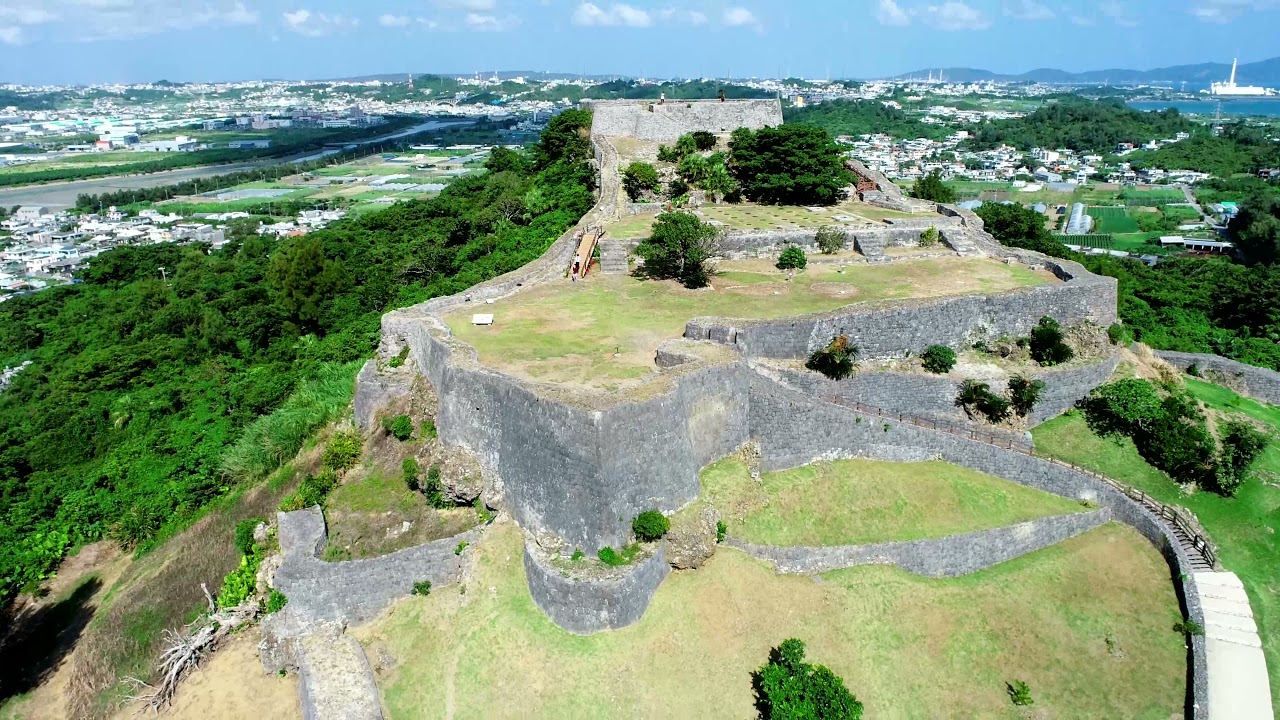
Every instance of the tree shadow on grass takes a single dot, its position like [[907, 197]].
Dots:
[[38, 640]]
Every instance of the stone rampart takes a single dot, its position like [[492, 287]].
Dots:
[[793, 429], [890, 329], [943, 557], [659, 121], [1256, 382], [589, 606], [737, 244], [914, 393]]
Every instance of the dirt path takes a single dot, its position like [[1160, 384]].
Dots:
[[231, 685]]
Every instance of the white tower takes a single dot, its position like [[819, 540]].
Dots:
[[1232, 81]]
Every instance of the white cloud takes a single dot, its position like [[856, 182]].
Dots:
[[889, 13], [490, 23], [394, 21], [1028, 10], [591, 15], [87, 20], [954, 15], [10, 35], [1118, 12], [739, 17], [1224, 11], [305, 22], [477, 6]]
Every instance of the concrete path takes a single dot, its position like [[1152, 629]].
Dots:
[[1239, 688]]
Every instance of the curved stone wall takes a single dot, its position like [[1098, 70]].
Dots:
[[589, 606], [889, 329], [1256, 382], [943, 557]]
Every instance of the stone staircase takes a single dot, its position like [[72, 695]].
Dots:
[[871, 246], [1238, 684], [961, 240], [613, 257]]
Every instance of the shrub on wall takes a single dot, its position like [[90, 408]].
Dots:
[[1119, 334], [831, 239], [977, 397], [399, 359], [938, 359], [313, 491], [422, 587], [399, 427], [930, 237], [787, 688], [1047, 347], [409, 466], [836, 360], [1024, 393], [650, 525], [244, 534], [793, 258]]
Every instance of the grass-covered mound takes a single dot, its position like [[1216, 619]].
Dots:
[[1086, 624], [1245, 527], [851, 502], [603, 331]]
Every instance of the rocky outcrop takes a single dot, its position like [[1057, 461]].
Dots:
[[692, 539]]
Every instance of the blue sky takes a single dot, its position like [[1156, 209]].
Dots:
[[82, 41]]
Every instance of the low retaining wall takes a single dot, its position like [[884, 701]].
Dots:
[[794, 429], [737, 245], [943, 557], [1258, 383], [589, 606]]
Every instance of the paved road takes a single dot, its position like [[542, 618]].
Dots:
[[63, 195]]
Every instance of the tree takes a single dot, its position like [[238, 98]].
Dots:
[[678, 248], [977, 396], [693, 168], [836, 360], [831, 239], [1047, 347], [650, 526], [789, 165], [639, 178], [1256, 228], [792, 258], [1122, 407], [567, 138], [938, 359], [1242, 443], [787, 688], [719, 183], [931, 188], [1016, 226], [302, 279], [503, 159], [703, 140], [1024, 393]]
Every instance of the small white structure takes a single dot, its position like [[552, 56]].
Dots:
[[482, 319]]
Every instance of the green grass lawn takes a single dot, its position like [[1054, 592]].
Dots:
[[604, 330], [1112, 220], [850, 502], [906, 646], [1139, 242], [1244, 527], [366, 515]]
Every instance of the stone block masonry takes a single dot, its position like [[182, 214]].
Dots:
[[942, 557], [666, 121], [589, 606], [1258, 383]]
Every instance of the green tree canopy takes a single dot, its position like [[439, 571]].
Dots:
[[789, 165], [678, 248], [931, 188], [788, 688]]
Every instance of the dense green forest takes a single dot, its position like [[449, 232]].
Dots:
[[139, 384], [1188, 304], [1239, 149], [860, 117], [1083, 126]]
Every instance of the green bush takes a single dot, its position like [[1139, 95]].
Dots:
[[938, 359], [1118, 334], [399, 359], [721, 531], [978, 396], [703, 140], [787, 688], [650, 525], [461, 546], [434, 489], [1241, 445], [343, 451], [678, 248], [930, 237], [409, 466], [615, 558], [276, 601], [1024, 393], [836, 360], [1193, 370], [1019, 693], [422, 587], [930, 187], [639, 178], [400, 427], [1188, 627], [242, 582], [793, 258], [313, 491], [578, 555], [487, 516], [244, 534], [429, 430], [1047, 347], [831, 239]]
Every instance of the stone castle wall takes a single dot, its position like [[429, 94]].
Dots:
[[891, 329], [589, 606], [667, 121], [1258, 383], [737, 245]]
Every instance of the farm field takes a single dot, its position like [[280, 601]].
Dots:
[[1111, 219], [850, 502], [602, 332], [1245, 528], [906, 646]]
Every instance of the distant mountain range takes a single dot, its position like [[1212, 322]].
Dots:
[[1264, 72]]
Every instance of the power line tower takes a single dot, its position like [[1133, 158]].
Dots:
[[1217, 120]]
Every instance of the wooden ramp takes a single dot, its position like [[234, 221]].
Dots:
[[586, 250]]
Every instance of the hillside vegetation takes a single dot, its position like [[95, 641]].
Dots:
[[1082, 126], [861, 117], [140, 382]]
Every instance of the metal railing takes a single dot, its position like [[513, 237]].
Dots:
[[1167, 513]]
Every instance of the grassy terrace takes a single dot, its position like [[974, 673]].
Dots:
[[1246, 527], [602, 332], [864, 501], [768, 217], [906, 646]]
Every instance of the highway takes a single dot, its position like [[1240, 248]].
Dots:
[[61, 195]]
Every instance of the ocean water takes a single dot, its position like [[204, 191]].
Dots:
[[1245, 106]]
